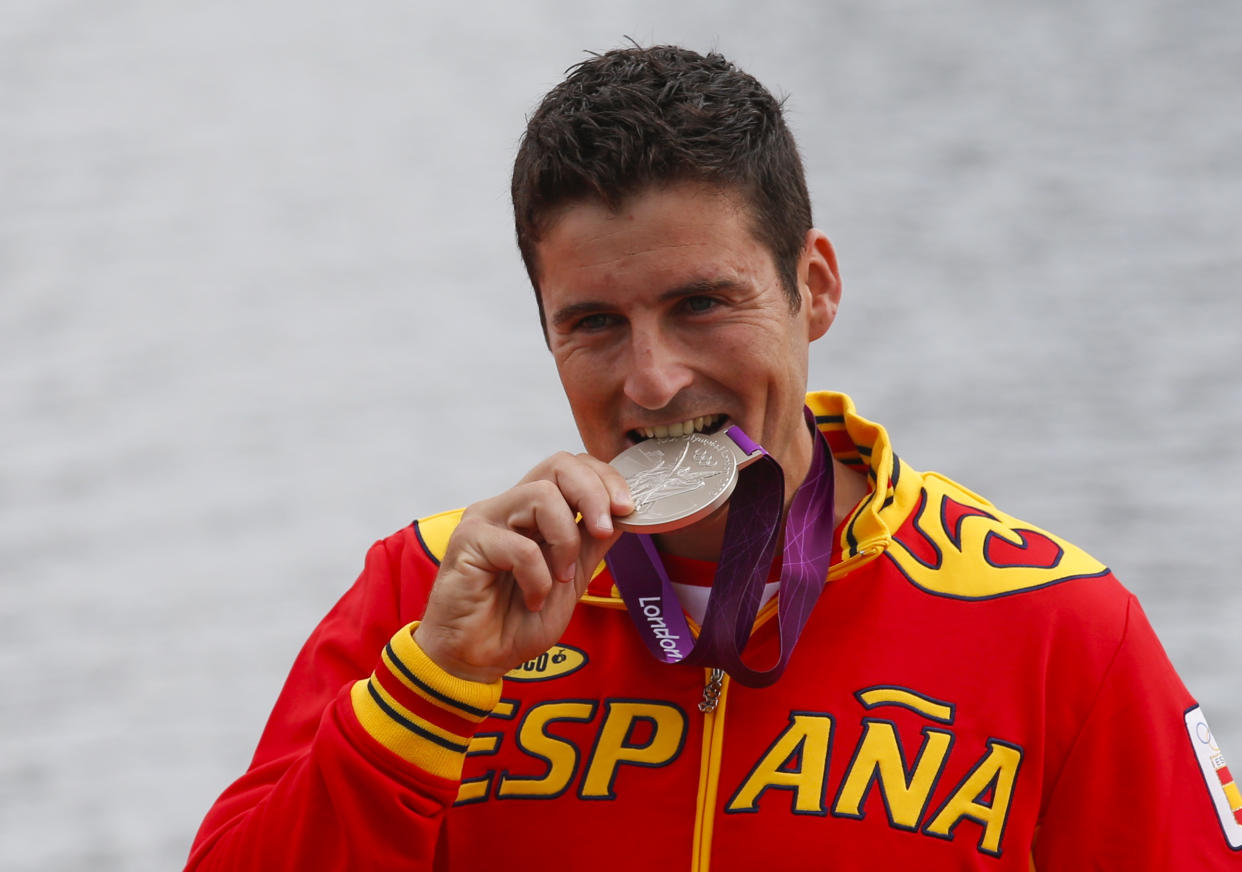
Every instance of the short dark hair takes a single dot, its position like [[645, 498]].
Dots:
[[634, 117]]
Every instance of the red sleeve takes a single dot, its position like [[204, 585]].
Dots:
[[1132, 794], [363, 751]]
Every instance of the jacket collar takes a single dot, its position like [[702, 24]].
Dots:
[[861, 444]]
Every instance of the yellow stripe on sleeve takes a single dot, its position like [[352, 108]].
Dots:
[[406, 661], [411, 738]]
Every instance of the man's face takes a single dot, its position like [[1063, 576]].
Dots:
[[668, 317]]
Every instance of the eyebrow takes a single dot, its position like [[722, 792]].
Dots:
[[590, 307]]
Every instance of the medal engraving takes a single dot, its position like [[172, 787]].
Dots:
[[676, 481]]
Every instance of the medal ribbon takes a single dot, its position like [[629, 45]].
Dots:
[[751, 534]]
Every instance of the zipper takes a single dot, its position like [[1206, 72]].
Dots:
[[715, 679], [711, 692], [715, 693], [712, 705]]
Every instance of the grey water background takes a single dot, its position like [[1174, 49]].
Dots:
[[261, 306]]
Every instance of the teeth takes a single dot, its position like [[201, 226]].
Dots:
[[681, 428]]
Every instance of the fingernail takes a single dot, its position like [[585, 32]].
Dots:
[[570, 572], [605, 523]]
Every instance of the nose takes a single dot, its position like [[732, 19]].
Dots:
[[656, 372]]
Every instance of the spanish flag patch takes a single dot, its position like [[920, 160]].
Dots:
[[1226, 794]]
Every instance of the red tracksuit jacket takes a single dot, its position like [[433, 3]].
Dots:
[[970, 692]]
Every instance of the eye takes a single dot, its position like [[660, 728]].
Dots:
[[595, 322], [699, 304]]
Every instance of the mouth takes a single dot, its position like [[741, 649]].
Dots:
[[702, 424]]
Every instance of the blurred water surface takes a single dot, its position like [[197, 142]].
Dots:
[[261, 306]]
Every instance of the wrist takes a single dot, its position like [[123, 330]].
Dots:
[[420, 712], [433, 646]]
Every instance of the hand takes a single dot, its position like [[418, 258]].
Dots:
[[516, 565]]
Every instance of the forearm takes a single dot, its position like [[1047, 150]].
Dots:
[[368, 791]]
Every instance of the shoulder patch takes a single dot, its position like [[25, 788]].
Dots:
[[434, 532], [958, 545], [1226, 795]]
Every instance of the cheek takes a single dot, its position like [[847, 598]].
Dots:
[[582, 394], [771, 354], [586, 385], [784, 362], [573, 366]]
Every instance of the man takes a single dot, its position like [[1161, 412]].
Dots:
[[965, 691]]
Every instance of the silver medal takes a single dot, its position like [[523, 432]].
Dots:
[[679, 480]]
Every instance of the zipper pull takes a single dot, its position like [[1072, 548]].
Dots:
[[711, 691]]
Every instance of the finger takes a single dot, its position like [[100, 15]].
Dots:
[[622, 502], [591, 487], [538, 510], [498, 550], [551, 522]]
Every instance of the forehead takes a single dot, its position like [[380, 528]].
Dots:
[[679, 233]]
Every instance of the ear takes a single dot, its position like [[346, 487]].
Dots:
[[821, 283]]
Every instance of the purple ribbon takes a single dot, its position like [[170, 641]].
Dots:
[[751, 534]]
